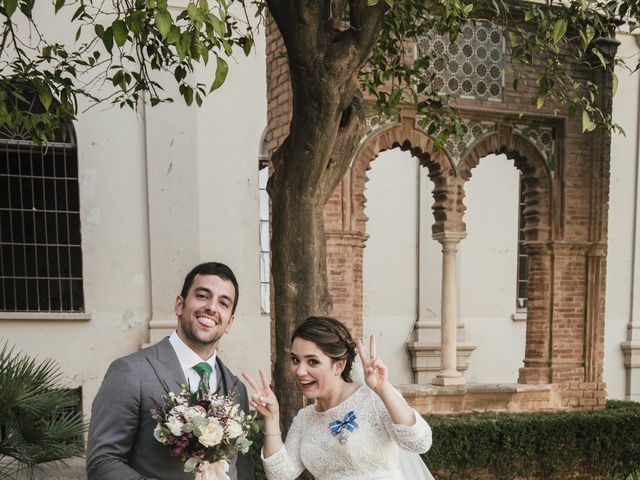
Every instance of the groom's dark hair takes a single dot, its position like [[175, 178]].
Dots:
[[211, 268]]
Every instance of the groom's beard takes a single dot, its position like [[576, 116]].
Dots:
[[201, 337]]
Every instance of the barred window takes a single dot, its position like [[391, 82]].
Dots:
[[265, 269], [40, 244], [522, 290]]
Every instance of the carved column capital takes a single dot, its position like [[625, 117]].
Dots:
[[449, 238]]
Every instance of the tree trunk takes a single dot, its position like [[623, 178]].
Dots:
[[327, 123]]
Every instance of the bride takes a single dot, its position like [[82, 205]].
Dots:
[[352, 431]]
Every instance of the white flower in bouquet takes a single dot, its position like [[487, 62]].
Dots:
[[210, 432], [243, 444], [234, 429], [195, 411], [179, 410], [175, 425], [161, 434]]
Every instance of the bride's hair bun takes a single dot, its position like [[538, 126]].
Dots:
[[332, 337]]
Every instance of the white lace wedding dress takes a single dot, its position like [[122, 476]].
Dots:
[[369, 452]]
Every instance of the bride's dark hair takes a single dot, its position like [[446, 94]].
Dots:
[[332, 337]]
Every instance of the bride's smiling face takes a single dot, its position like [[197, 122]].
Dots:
[[318, 375]]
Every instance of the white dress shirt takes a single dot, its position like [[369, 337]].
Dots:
[[188, 359]]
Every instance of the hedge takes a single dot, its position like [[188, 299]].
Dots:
[[601, 444]]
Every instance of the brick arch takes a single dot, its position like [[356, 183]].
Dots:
[[537, 184], [408, 138], [536, 177]]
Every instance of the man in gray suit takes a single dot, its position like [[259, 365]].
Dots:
[[121, 443]]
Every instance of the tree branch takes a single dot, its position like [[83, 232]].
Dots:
[[365, 22], [337, 13], [351, 130], [298, 22]]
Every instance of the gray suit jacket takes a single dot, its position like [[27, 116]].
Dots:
[[121, 443]]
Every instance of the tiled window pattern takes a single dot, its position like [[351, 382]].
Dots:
[[457, 146], [544, 140], [376, 121], [473, 65], [40, 244]]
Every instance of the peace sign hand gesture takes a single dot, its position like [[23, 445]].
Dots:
[[375, 371], [263, 400]]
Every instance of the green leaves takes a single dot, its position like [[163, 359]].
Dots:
[[395, 97], [37, 425], [44, 94], [187, 93], [59, 4], [587, 124], [140, 37], [538, 445], [600, 57], [559, 29], [222, 68], [218, 25], [106, 35], [586, 36], [119, 32], [10, 6], [136, 22], [163, 22]]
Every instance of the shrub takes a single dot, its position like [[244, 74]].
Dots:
[[596, 444], [38, 422]]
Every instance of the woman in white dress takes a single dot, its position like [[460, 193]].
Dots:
[[352, 431]]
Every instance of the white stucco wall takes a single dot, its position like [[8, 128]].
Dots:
[[390, 258], [622, 294], [487, 265], [160, 191]]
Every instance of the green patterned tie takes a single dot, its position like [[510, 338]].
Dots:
[[204, 370]]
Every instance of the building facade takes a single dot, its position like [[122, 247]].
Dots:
[[538, 230]]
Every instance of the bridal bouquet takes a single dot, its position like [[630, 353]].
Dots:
[[204, 429]]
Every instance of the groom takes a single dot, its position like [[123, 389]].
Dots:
[[121, 443]]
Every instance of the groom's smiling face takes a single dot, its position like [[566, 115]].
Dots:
[[205, 315]]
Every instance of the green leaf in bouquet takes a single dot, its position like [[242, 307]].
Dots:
[[191, 464]]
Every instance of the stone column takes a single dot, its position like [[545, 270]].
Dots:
[[448, 374]]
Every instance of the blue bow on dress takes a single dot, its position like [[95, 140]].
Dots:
[[348, 422]]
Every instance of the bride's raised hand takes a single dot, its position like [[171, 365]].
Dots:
[[376, 374], [263, 400]]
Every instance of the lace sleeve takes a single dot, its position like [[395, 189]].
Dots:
[[414, 438], [285, 464]]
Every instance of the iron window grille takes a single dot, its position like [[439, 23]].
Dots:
[[40, 240]]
